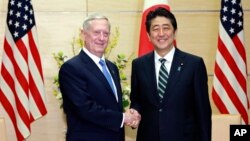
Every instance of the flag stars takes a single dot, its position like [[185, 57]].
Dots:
[[31, 12], [31, 21], [231, 30], [10, 22], [232, 20], [20, 17], [232, 16], [12, 2], [233, 11], [233, 2], [224, 18], [26, 8], [11, 12], [16, 34], [17, 24], [239, 23], [240, 14], [19, 4], [18, 14], [25, 17], [24, 27], [225, 9]]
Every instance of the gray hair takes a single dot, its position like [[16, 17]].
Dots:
[[95, 16]]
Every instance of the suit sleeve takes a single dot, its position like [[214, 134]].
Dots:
[[202, 101], [134, 95]]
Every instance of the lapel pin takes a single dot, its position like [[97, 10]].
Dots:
[[179, 67]]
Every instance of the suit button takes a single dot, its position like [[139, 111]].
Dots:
[[160, 110]]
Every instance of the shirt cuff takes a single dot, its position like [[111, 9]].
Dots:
[[123, 116]]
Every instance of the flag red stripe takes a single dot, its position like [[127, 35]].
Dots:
[[22, 81], [228, 88], [33, 88], [218, 102], [37, 96], [240, 48], [35, 54], [22, 49], [230, 92], [145, 45], [19, 75], [7, 106], [24, 94], [232, 64]]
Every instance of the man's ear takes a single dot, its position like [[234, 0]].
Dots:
[[175, 34], [148, 37], [82, 34]]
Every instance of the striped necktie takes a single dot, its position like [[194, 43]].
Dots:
[[162, 79], [107, 74]]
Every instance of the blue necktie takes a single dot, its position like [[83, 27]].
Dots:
[[106, 74]]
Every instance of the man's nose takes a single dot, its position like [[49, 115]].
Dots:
[[102, 37], [161, 31]]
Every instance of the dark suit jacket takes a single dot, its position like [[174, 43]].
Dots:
[[185, 112], [91, 109]]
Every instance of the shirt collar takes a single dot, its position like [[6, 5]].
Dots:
[[169, 56], [92, 56]]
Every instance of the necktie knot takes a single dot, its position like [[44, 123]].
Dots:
[[102, 63], [162, 60]]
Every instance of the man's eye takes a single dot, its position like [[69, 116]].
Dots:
[[155, 29], [166, 28], [96, 32], [106, 34]]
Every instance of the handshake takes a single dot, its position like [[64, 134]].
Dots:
[[132, 118]]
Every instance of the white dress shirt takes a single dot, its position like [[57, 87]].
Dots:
[[169, 59]]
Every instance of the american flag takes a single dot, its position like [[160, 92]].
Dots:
[[230, 75], [144, 44], [22, 91]]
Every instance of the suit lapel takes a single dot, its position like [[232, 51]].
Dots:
[[175, 72], [93, 68], [116, 80], [149, 64]]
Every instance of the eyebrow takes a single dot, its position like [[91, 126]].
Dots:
[[160, 25]]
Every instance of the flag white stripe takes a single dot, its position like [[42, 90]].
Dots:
[[11, 99], [231, 77], [224, 96], [20, 62], [149, 3], [232, 49], [25, 72], [21, 126], [17, 55]]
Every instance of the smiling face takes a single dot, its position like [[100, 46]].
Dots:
[[96, 36], [162, 35]]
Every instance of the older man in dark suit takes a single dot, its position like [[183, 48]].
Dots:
[[169, 87], [91, 90]]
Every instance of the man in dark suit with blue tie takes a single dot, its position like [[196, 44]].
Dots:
[[169, 87], [91, 90]]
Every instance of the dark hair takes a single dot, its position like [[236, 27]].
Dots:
[[162, 12]]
